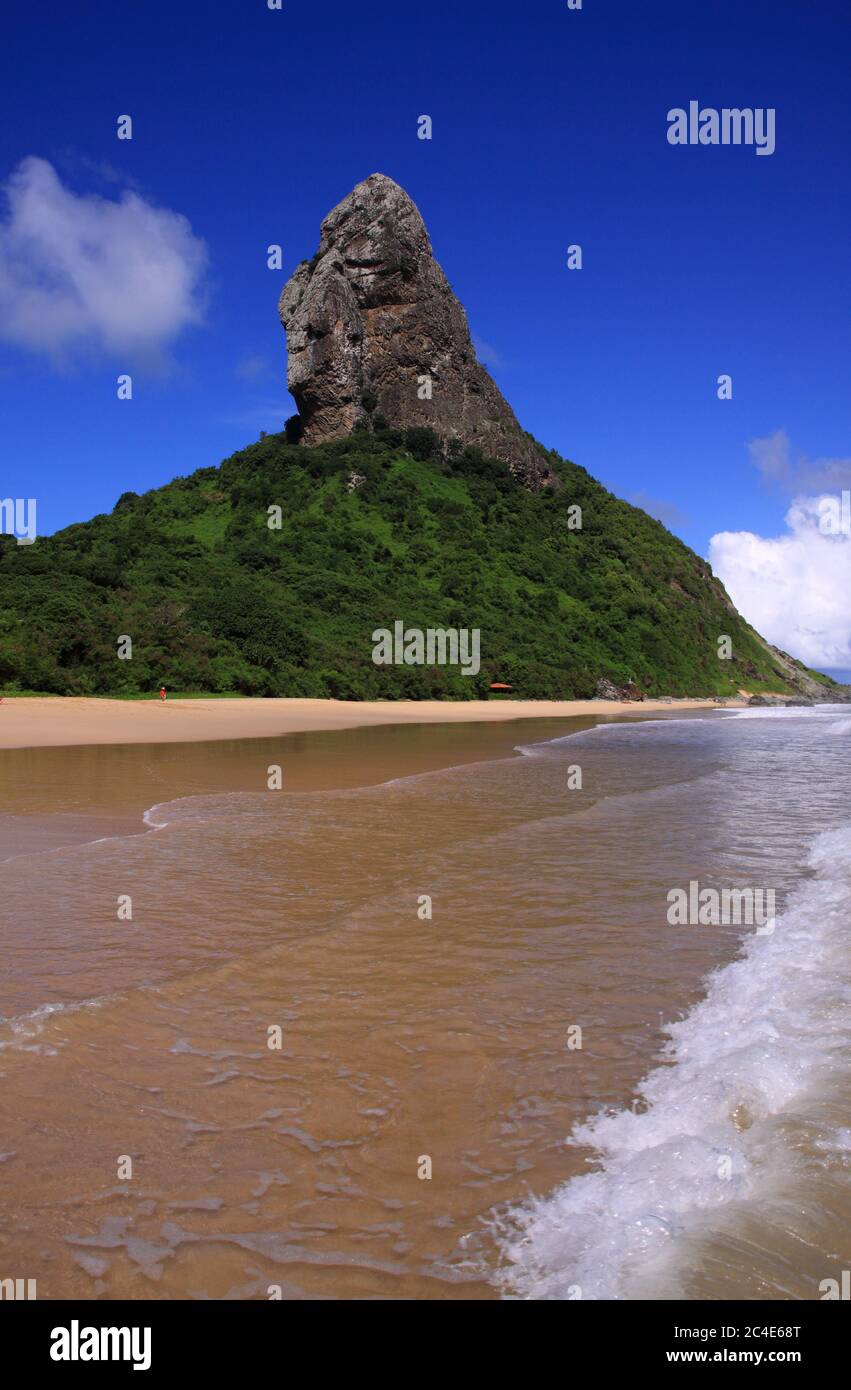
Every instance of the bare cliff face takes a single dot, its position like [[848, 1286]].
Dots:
[[373, 329]]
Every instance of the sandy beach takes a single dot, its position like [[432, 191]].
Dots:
[[54, 722]]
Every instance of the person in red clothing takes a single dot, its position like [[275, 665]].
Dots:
[[162, 693]]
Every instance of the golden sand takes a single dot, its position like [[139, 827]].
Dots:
[[43, 722]]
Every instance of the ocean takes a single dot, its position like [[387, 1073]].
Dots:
[[430, 1032]]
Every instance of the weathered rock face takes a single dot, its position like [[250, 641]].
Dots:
[[371, 316], [607, 690]]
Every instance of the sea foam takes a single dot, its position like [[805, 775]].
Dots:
[[774, 1026]]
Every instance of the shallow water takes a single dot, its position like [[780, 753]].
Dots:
[[450, 1039]]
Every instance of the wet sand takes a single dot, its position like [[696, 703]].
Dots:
[[402, 1037], [74, 794]]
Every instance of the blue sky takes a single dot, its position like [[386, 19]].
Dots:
[[549, 129]]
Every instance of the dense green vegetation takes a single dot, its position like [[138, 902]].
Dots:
[[214, 600]]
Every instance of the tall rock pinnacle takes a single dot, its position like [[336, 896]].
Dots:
[[373, 327]]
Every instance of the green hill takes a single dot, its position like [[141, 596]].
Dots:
[[375, 528]]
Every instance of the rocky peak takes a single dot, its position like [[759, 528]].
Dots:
[[371, 317]]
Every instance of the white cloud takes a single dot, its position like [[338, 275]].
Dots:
[[795, 588], [797, 473], [82, 272]]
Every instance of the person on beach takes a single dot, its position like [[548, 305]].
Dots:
[[162, 693]]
